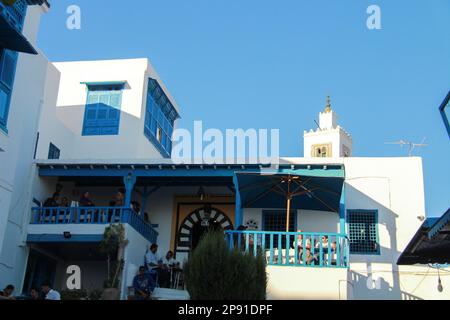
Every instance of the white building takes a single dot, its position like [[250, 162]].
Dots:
[[105, 125], [22, 79]]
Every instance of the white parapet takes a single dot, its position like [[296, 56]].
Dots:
[[307, 283]]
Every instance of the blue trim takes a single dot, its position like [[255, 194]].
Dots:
[[238, 214], [375, 212], [167, 170], [105, 83], [445, 105], [273, 254], [102, 118], [11, 57], [92, 216], [129, 182], [160, 116], [342, 215], [439, 224], [49, 238]]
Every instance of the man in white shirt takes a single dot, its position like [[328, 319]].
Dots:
[[151, 258], [169, 261], [50, 294], [155, 264]]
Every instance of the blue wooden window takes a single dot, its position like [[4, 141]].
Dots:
[[275, 220], [53, 152], [8, 61], [160, 116], [363, 231], [102, 114]]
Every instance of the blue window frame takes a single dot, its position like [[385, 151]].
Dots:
[[363, 231], [15, 15], [53, 152], [275, 220], [8, 62], [445, 112], [102, 113], [160, 116]]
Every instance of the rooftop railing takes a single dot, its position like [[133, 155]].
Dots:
[[295, 249], [93, 216]]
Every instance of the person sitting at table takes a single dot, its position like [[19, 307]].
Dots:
[[64, 202], [52, 202], [143, 285], [169, 261], [309, 256], [85, 200], [120, 198], [6, 294], [155, 265], [34, 294], [324, 242]]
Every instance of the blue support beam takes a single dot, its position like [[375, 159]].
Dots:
[[129, 181], [238, 214], [342, 213]]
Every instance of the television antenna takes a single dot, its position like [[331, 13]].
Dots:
[[410, 145]]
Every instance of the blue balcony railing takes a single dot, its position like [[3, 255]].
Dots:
[[296, 249], [92, 216], [15, 14]]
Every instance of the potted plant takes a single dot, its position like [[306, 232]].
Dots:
[[113, 245]]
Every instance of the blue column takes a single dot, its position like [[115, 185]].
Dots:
[[238, 215], [342, 211], [129, 181]]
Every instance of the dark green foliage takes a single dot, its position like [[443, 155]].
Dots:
[[214, 272], [74, 295]]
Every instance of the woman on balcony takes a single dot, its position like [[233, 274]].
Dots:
[[85, 202], [309, 257]]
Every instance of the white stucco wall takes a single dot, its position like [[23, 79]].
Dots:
[[62, 125], [298, 283], [18, 143]]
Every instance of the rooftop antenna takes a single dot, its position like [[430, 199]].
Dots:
[[410, 145], [318, 126]]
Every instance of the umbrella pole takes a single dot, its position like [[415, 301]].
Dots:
[[288, 213]]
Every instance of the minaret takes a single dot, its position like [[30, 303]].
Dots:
[[329, 140]]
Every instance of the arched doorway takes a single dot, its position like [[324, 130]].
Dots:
[[197, 223]]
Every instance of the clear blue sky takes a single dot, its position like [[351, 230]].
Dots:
[[271, 64]]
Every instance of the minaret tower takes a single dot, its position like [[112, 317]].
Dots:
[[329, 140]]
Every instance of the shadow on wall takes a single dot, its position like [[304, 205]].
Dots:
[[378, 287], [366, 278], [74, 117]]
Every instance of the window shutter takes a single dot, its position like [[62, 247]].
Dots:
[[9, 63]]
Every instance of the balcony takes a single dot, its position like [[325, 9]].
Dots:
[[14, 14], [11, 24], [323, 250], [93, 216]]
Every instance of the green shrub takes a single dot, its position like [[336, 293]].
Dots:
[[74, 295], [214, 272]]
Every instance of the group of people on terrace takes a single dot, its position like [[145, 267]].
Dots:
[[156, 272], [309, 249], [45, 293], [85, 201]]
